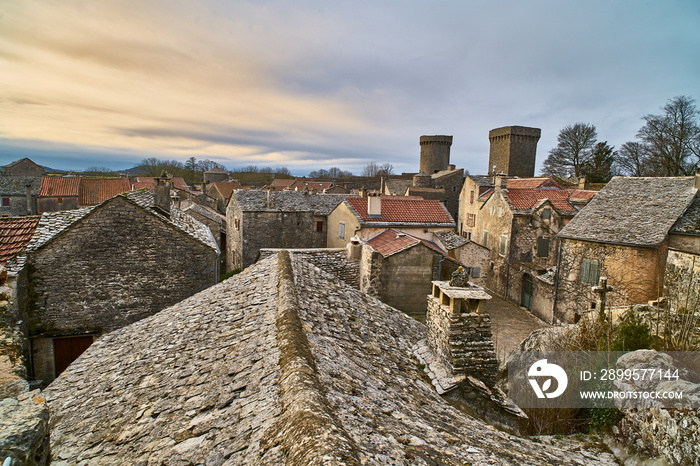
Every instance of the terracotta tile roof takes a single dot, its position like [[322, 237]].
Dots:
[[147, 182], [392, 241], [524, 199], [94, 191], [402, 210], [59, 186], [532, 183], [281, 183], [15, 234], [300, 185], [225, 188]]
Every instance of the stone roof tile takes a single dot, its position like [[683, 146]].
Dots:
[[450, 239], [287, 201], [281, 364], [689, 223], [633, 211]]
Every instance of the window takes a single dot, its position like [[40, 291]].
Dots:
[[342, 230], [504, 243], [471, 220], [59, 200], [475, 272], [589, 271], [5, 201], [491, 210], [236, 223], [471, 198], [319, 226], [500, 211], [546, 214], [542, 247], [485, 239]]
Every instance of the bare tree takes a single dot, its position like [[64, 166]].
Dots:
[[672, 139], [206, 165], [574, 147], [370, 170], [386, 169], [633, 160]]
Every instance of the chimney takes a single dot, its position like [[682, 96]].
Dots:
[[697, 178], [363, 192], [374, 205], [498, 180], [582, 184], [161, 195], [30, 204], [451, 166], [204, 187], [382, 186], [354, 249]]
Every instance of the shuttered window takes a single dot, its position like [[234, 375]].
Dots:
[[542, 247], [589, 271], [504, 243]]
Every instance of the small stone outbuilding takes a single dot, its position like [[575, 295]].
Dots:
[[94, 270]]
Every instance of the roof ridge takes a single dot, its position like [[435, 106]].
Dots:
[[307, 428]]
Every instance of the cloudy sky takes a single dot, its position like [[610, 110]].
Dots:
[[312, 84]]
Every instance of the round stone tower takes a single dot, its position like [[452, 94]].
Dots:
[[434, 153]]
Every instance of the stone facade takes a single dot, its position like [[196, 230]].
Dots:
[[18, 194], [434, 153], [23, 167], [116, 265], [258, 219], [682, 281], [512, 151], [459, 334], [635, 273]]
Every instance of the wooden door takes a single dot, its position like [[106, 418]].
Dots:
[[66, 350], [528, 291]]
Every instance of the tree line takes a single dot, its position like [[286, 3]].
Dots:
[[668, 144]]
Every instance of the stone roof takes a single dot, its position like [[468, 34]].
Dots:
[[52, 224], [482, 180], [444, 173], [17, 185], [216, 170], [15, 234], [94, 191], [450, 239], [632, 211], [205, 211], [59, 186], [398, 187], [532, 183], [287, 201], [689, 223], [281, 364], [400, 211]]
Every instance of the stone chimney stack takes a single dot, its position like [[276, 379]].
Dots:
[[161, 195], [354, 249], [363, 192], [374, 205], [697, 178], [582, 183], [30, 204], [499, 180]]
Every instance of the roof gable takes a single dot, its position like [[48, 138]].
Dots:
[[633, 211], [17, 185]]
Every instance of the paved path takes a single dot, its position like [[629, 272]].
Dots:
[[510, 324]]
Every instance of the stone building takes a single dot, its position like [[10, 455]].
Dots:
[[473, 255], [271, 219], [18, 194], [215, 175], [59, 193], [518, 220], [213, 220], [93, 270], [281, 364], [682, 274], [399, 269], [149, 182], [623, 234], [367, 217], [23, 167], [221, 191]]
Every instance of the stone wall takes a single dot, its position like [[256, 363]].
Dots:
[[370, 271], [334, 261], [452, 183], [513, 149], [24, 430], [19, 206], [115, 266], [52, 204], [633, 272], [682, 280], [463, 342], [260, 230]]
